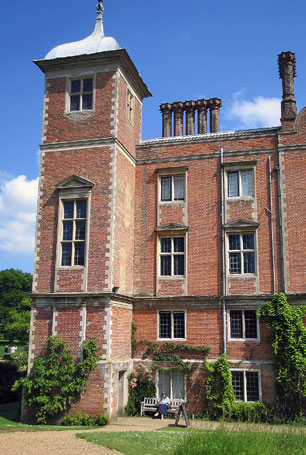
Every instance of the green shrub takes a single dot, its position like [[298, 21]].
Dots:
[[85, 420], [219, 389], [249, 412]]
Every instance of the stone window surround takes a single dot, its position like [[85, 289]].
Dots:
[[171, 234], [250, 370], [237, 166], [240, 227], [172, 172], [75, 77], [77, 188], [172, 325], [230, 339], [130, 106]]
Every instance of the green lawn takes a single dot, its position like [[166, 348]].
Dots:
[[10, 420], [20, 346], [200, 442]]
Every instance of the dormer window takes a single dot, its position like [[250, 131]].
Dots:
[[81, 94]]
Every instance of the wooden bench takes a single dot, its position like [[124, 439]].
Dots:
[[150, 405]]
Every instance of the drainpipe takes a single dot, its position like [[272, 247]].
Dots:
[[277, 169], [271, 223], [224, 290]]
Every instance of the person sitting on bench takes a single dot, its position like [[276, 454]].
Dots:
[[162, 407]]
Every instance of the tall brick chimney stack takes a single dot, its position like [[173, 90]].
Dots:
[[178, 109], [202, 116], [214, 105], [189, 107], [166, 110], [287, 72]]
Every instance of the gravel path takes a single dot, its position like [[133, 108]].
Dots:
[[65, 442]]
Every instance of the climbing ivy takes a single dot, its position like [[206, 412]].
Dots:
[[133, 340], [219, 389], [289, 344], [168, 352], [56, 381]]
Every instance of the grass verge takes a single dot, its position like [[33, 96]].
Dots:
[[10, 421], [199, 442]]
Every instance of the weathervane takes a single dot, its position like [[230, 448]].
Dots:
[[100, 7]]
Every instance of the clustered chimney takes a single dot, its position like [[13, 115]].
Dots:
[[287, 72], [190, 108]]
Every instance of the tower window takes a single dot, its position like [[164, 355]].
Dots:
[[73, 232], [130, 106], [81, 94]]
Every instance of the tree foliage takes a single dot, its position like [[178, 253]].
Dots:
[[289, 344], [15, 287], [56, 380]]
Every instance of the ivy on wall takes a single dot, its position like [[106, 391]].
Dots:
[[289, 344], [56, 380], [169, 352]]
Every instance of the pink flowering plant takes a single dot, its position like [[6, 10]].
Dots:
[[141, 385]]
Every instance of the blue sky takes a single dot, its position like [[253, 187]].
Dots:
[[183, 50]]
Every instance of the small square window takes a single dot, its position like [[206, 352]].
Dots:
[[246, 385], [81, 94], [243, 324], [172, 324], [172, 188], [240, 183]]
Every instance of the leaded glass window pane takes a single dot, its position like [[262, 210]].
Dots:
[[234, 242], [237, 381], [179, 325], [87, 85], [166, 188], [68, 209], [164, 383], [87, 102], [80, 230], [75, 102], [233, 184], [248, 241], [178, 264], [247, 183], [236, 324], [67, 230], [252, 386], [179, 243], [165, 265], [165, 324], [234, 263], [76, 86], [179, 187], [178, 384], [249, 262], [250, 323], [81, 209], [79, 253], [66, 253], [165, 245]]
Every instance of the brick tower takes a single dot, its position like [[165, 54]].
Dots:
[[91, 124]]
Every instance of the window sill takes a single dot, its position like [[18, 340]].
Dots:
[[70, 267], [242, 276], [172, 278], [244, 340], [240, 198], [171, 339]]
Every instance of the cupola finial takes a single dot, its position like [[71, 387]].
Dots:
[[99, 21]]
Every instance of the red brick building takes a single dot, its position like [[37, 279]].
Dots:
[[185, 235]]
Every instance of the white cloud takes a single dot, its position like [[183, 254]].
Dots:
[[258, 113], [17, 214]]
